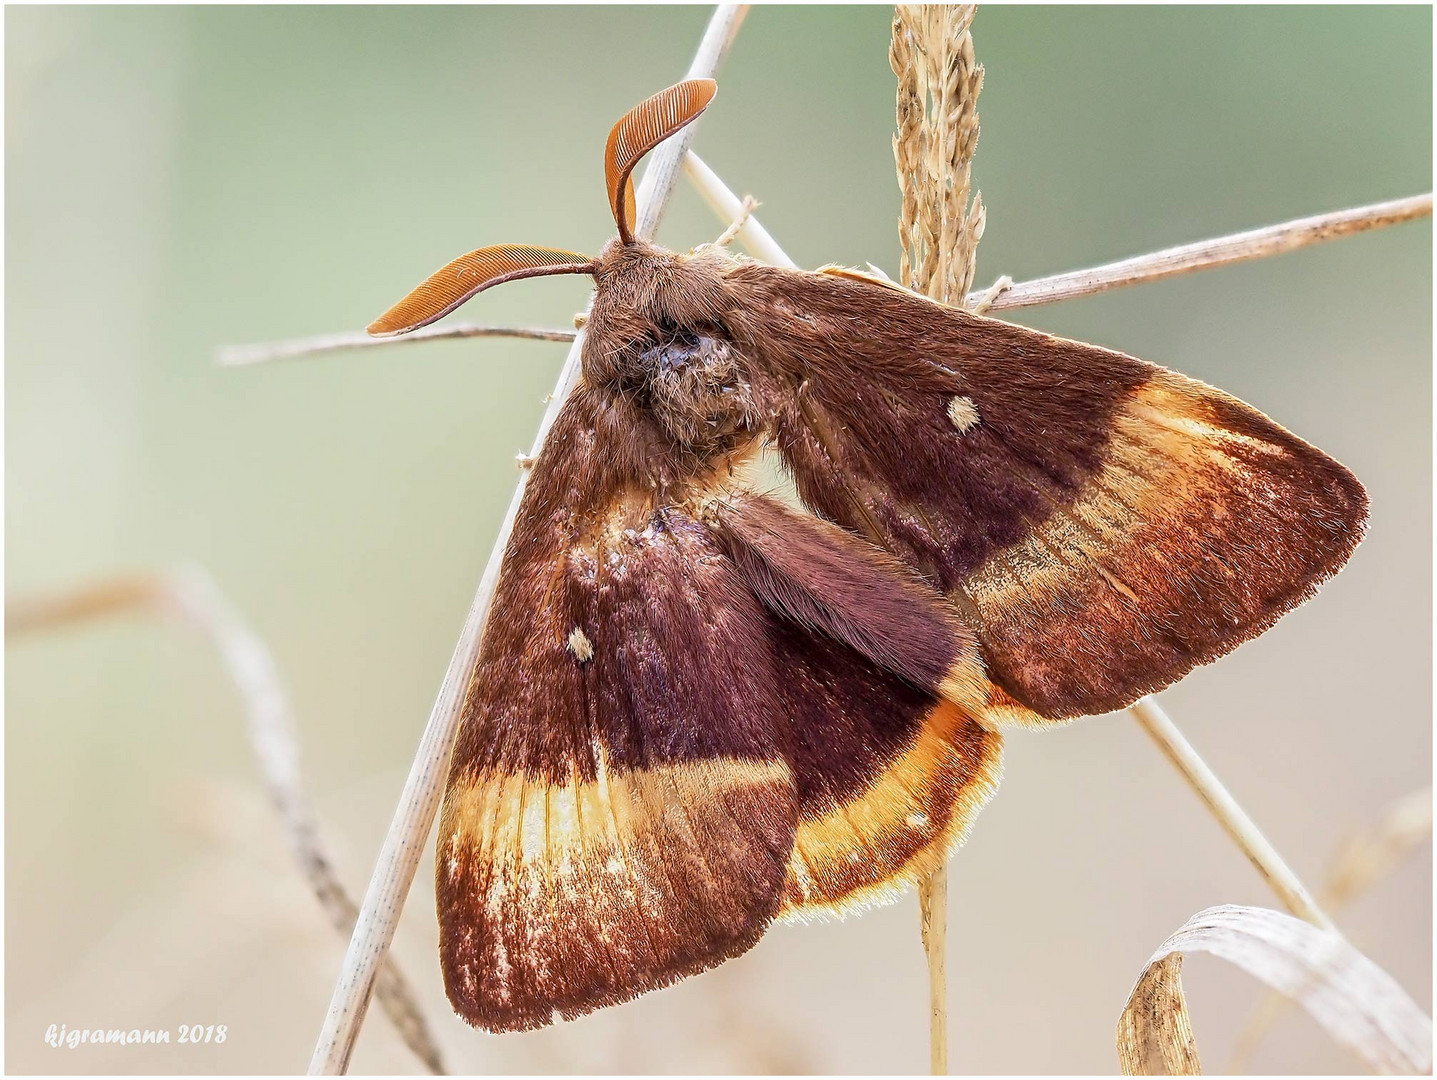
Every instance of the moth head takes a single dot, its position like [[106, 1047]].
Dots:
[[639, 131], [657, 346]]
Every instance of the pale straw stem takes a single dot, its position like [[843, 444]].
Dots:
[[1221, 251], [933, 924], [293, 348], [1232, 817], [728, 207]]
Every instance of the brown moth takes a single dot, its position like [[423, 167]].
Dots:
[[696, 709]]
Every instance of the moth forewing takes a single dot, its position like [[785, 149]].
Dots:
[[1105, 524]]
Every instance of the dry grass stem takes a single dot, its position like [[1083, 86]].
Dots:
[[730, 208], [1221, 251], [1244, 832], [727, 237], [265, 352], [1356, 1002], [933, 925], [1366, 858], [408, 833], [51, 611], [939, 223], [191, 596], [1363, 861], [931, 53]]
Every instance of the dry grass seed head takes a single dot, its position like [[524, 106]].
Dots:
[[939, 80]]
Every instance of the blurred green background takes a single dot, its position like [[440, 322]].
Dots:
[[184, 178]]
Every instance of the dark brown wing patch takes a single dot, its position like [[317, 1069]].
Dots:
[[1204, 525], [615, 823], [1105, 524], [889, 779]]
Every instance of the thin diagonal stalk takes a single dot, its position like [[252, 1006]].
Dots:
[[409, 831], [1233, 818], [293, 348], [1221, 251]]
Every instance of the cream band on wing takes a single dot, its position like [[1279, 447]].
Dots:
[[562, 897], [1175, 550], [518, 821], [910, 818]]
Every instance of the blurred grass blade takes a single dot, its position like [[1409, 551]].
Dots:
[[1364, 860], [1356, 1002]]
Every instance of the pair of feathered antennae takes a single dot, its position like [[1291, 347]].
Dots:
[[639, 131]]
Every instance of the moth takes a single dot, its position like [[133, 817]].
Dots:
[[697, 709]]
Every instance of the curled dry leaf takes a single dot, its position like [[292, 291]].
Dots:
[[1155, 1037], [1358, 1003]]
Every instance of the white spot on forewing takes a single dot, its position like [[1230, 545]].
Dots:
[[963, 414], [580, 646], [917, 820]]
